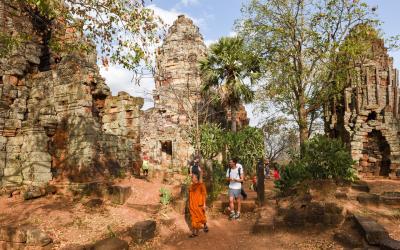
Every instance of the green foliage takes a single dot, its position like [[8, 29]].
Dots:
[[218, 181], [9, 43], [280, 137], [165, 196], [247, 145], [322, 158], [223, 71], [211, 140], [122, 30], [298, 44], [111, 232]]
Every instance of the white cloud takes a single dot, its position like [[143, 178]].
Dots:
[[209, 42], [120, 79], [232, 33], [169, 16], [189, 2]]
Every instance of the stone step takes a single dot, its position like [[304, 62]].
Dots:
[[360, 187], [246, 207], [372, 231], [375, 234], [368, 199], [390, 198]]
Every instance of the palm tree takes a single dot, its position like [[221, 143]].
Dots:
[[224, 70]]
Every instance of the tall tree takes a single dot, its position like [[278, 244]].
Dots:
[[279, 138], [122, 30], [224, 71], [298, 42]]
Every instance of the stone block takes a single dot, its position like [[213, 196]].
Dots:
[[12, 246], [39, 157], [12, 234], [180, 206], [341, 195], [390, 198], [38, 177], [15, 141], [348, 239], [39, 167], [8, 171], [372, 159], [33, 192], [143, 231], [372, 231], [94, 203], [372, 199], [111, 244], [12, 180], [389, 244], [360, 187], [36, 237], [119, 194], [10, 79]]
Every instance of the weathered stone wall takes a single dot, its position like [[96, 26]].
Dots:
[[367, 116], [175, 96], [58, 120]]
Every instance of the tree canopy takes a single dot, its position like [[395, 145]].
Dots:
[[298, 42], [224, 71], [122, 30]]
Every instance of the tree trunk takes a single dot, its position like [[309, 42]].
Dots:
[[260, 183], [233, 118], [303, 123]]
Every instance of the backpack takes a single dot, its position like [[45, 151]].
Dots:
[[242, 192], [196, 169]]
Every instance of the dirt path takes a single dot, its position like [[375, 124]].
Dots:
[[226, 234]]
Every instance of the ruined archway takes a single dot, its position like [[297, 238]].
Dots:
[[376, 151]]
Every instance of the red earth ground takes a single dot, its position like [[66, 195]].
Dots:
[[68, 221]]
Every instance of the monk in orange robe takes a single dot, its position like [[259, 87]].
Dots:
[[197, 205]]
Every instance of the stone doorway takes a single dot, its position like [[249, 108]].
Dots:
[[166, 153], [376, 151]]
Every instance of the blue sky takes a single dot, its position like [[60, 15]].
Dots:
[[216, 18]]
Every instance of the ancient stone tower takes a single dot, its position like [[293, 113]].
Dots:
[[367, 117], [177, 85], [58, 120]]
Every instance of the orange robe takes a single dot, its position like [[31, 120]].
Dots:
[[197, 199]]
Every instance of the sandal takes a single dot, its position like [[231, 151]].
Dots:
[[206, 229], [193, 235]]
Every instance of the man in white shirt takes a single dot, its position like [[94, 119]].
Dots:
[[235, 177]]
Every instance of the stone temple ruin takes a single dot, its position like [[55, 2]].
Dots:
[[165, 134], [367, 117], [58, 120], [178, 102], [59, 123]]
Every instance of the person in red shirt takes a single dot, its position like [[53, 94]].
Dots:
[[254, 183], [276, 174]]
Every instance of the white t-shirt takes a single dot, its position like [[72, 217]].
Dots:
[[235, 175]]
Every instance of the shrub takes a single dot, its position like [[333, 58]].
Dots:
[[322, 158], [166, 196], [247, 145], [218, 183]]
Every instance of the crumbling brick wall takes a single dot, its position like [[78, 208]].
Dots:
[[58, 120], [367, 116]]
